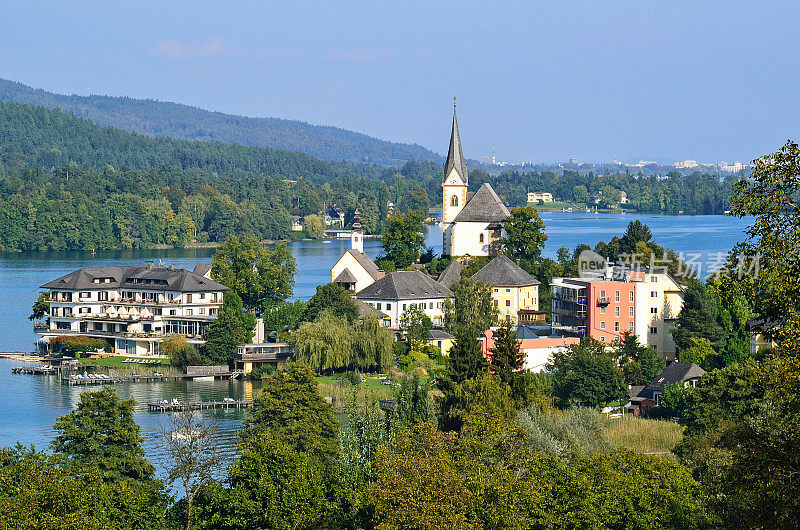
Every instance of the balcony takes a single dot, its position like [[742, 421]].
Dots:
[[603, 302]]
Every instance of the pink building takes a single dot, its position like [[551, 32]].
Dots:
[[600, 309]]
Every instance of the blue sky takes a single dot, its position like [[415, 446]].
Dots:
[[537, 81]]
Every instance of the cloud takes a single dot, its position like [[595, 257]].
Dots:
[[359, 55], [175, 49]]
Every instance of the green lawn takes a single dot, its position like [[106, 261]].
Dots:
[[373, 382]]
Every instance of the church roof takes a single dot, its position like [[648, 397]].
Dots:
[[451, 274], [501, 271], [455, 157], [404, 285], [345, 277], [365, 262], [484, 206]]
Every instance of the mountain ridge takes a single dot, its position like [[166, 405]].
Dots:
[[154, 118]]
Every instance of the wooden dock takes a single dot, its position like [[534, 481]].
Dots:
[[197, 405], [37, 370]]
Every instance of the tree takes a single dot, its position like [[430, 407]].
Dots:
[[181, 353], [333, 298], [222, 337], [101, 434], [403, 239], [506, 360], [698, 353], [413, 404], [697, 319], [290, 409], [324, 344], [76, 345], [417, 326], [194, 453], [470, 310], [465, 359], [373, 344], [525, 235], [580, 194], [585, 375], [260, 276], [41, 307], [640, 364], [313, 226], [635, 232]]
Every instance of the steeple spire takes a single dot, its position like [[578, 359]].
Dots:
[[455, 157]]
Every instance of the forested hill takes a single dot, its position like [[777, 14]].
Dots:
[[163, 119], [38, 136]]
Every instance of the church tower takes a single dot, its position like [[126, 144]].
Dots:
[[357, 235], [454, 185]]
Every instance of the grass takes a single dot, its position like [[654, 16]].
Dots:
[[644, 436], [366, 392]]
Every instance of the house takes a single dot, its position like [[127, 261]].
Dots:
[[451, 274], [354, 269], [133, 308], [687, 374], [441, 339], [536, 196], [759, 327], [297, 226], [623, 198], [334, 216], [537, 343], [471, 225], [249, 357], [512, 288], [397, 291], [640, 301]]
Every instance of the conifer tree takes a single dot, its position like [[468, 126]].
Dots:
[[507, 360]]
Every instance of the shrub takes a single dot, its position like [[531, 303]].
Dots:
[[76, 345]]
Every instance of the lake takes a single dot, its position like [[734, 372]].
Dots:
[[30, 404]]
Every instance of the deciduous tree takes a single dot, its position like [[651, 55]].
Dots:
[[525, 235]]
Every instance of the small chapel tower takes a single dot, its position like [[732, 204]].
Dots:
[[454, 184], [357, 235]]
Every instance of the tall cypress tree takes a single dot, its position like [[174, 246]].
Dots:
[[466, 359], [507, 360]]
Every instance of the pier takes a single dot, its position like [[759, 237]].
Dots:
[[102, 379], [170, 406], [36, 370]]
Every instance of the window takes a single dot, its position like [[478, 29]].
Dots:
[[630, 311], [84, 310], [616, 296], [202, 296], [602, 339], [378, 306], [508, 290], [653, 294], [62, 325], [189, 312], [388, 306], [454, 200], [655, 347], [202, 311], [430, 305], [616, 327], [630, 296], [630, 327], [102, 296], [654, 279], [654, 330], [495, 303], [616, 311], [404, 307], [602, 325], [654, 310], [496, 290], [189, 298], [85, 294], [603, 310], [173, 312], [602, 295], [508, 303], [480, 238]]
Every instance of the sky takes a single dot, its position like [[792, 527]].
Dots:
[[535, 81]]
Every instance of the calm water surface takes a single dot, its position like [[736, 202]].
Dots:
[[30, 404]]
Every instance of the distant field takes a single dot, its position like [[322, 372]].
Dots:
[[645, 436]]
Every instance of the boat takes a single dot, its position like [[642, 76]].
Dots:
[[327, 241]]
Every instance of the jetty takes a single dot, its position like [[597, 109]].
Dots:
[[175, 406], [103, 379], [37, 370]]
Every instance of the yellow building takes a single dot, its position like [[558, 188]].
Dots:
[[441, 339], [758, 328], [513, 289], [251, 356]]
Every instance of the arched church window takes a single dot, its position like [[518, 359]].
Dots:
[[480, 238], [454, 200]]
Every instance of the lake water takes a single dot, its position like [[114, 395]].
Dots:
[[30, 404]]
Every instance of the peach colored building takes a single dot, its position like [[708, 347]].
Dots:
[[600, 309], [538, 350]]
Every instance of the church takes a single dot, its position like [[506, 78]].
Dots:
[[472, 224]]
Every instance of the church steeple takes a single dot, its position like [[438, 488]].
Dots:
[[455, 157]]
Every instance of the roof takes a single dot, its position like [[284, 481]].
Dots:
[[501, 271], [170, 279], [365, 262], [404, 285], [455, 157], [438, 334], [761, 324], [202, 269], [530, 332], [484, 207], [676, 372], [345, 277], [451, 274]]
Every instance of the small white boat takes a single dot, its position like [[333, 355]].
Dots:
[[327, 241]]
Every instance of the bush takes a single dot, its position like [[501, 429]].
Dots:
[[76, 345], [263, 371]]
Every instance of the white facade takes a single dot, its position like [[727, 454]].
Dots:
[[536, 196], [134, 319], [454, 197], [349, 261], [659, 300], [395, 309], [473, 239]]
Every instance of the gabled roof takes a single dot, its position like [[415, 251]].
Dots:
[[503, 272], [676, 372], [365, 262], [404, 285], [168, 279], [438, 334], [484, 207], [202, 269], [455, 157], [345, 277], [451, 274], [366, 308]]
